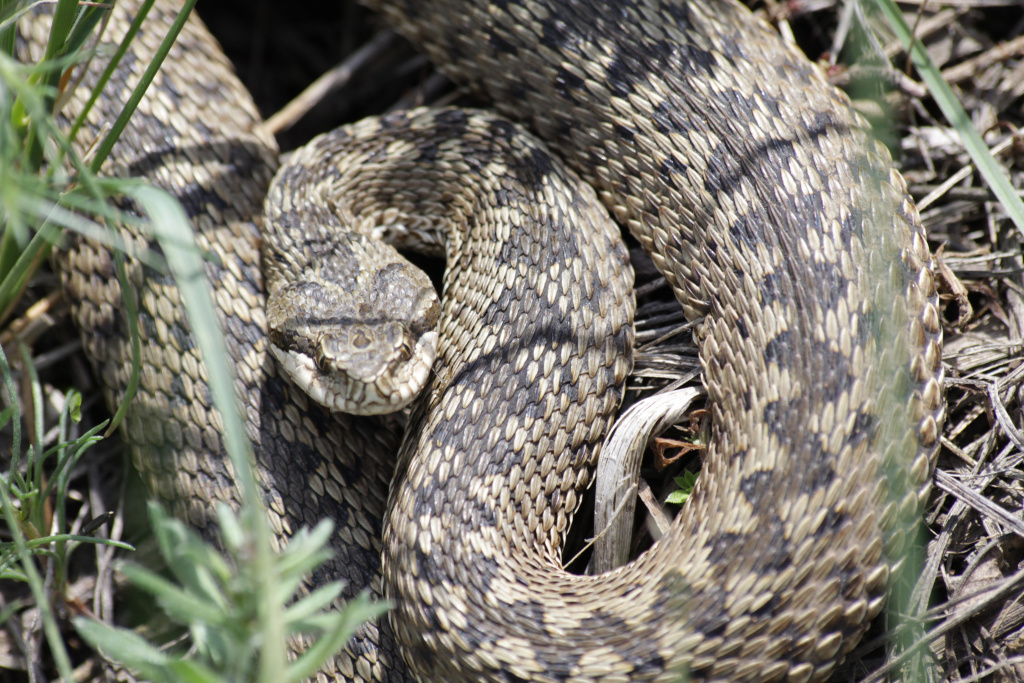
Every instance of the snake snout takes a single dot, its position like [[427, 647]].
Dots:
[[352, 325], [361, 368]]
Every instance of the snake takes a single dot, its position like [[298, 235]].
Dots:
[[782, 227]]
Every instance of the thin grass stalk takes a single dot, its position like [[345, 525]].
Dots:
[[103, 151], [32, 576], [949, 104]]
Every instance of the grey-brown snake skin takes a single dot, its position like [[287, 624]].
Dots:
[[777, 220]]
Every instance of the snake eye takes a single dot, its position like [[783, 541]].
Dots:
[[404, 351], [329, 348], [320, 358]]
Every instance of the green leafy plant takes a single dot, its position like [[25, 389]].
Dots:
[[684, 488], [214, 598], [240, 609], [42, 475]]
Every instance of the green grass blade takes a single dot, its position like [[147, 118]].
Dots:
[[954, 112], [108, 71], [123, 645], [12, 398], [173, 231], [49, 75], [358, 610], [179, 603], [43, 542], [103, 151], [36, 457], [88, 18], [35, 582]]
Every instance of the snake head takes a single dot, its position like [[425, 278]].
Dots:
[[354, 358]]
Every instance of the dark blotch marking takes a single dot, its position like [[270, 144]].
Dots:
[[774, 287], [622, 75], [671, 166], [567, 82], [744, 231], [756, 485], [452, 121], [427, 152], [625, 133], [772, 547], [502, 46], [517, 90], [723, 170], [540, 162], [779, 151], [865, 423], [183, 338], [818, 472], [741, 328], [679, 13], [501, 129], [829, 283], [700, 60], [771, 416], [552, 33], [177, 386], [665, 119], [768, 609], [660, 51], [644, 660]]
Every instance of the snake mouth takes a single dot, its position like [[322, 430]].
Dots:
[[345, 377]]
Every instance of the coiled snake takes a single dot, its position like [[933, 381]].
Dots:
[[780, 224]]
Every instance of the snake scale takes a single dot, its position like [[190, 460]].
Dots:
[[781, 226]]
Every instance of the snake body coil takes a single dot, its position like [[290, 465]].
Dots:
[[781, 226], [780, 223]]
